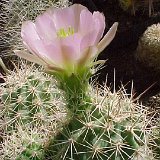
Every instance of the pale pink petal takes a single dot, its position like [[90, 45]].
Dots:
[[68, 17], [88, 40], [92, 33], [28, 31], [88, 56], [86, 23], [54, 52], [89, 29], [107, 38], [29, 35], [45, 27], [99, 25], [68, 54], [77, 9], [30, 57], [72, 45], [33, 58], [93, 52], [39, 48]]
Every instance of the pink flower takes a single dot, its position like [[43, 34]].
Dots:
[[62, 39]]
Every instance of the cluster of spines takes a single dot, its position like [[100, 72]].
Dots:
[[148, 47], [111, 126], [30, 100], [114, 128]]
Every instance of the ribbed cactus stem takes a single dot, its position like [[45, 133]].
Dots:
[[75, 88], [33, 151], [111, 128], [32, 109]]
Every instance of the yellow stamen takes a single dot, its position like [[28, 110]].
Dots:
[[62, 33]]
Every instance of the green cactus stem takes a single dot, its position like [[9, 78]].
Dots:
[[112, 129], [29, 99], [75, 87]]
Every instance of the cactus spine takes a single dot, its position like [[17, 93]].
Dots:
[[148, 51], [32, 107], [109, 126], [96, 124]]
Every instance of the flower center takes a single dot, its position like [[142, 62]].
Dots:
[[63, 33]]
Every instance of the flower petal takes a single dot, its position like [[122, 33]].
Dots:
[[88, 40], [30, 57], [53, 52], [88, 56], [29, 30], [47, 31], [68, 17], [99, 25], [46, 63], [91, 28], [71, 46], [86, 22], [29, 35], [107, 38]]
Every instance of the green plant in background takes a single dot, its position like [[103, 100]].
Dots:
[[148, 50], [133, 5], [125, 4], [13, 13], [32, 108]]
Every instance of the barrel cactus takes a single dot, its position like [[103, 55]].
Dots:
[[106, 126], [32, 107], [148, 51], [112, 128], [153, 103], [24, 144], [156, 133]]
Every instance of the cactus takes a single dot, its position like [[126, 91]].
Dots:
[[153, 103], [31, 105], [62, 116], [98, 124], [156, 133], [13, 12], [24, 144], [112, 128], [148, 50]]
